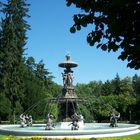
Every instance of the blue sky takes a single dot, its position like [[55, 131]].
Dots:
[[50, 40]]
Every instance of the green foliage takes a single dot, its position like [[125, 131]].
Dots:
[[107, 88], [136, 87], [39, 88], [116, 84], [115, 95], [116, 22], [86, 112], [5, 107], [136, 84], [72, 30], [54, 110]]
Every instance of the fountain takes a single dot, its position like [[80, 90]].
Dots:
[[71, 124], [68, 99]]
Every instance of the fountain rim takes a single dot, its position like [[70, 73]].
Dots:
[[132, 128]]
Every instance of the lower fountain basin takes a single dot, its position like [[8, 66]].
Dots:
[[89, 130]]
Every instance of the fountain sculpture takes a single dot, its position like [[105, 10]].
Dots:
[[49, 123], [72, 124], [68, 99], [25, 120], [113, 119]]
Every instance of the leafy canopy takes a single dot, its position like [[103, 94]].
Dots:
[[116, 26]]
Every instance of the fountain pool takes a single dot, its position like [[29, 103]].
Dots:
[[89, 130]]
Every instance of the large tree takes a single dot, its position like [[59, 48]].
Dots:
[[115, 26], [39, 87], [13, 40]]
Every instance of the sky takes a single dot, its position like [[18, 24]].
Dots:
[[50, 40]]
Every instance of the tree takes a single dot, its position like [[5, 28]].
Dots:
[[116, 26], [39, 87], [126, 87], [125, 103], [107, 88], [136, 87], [5, 107], [13, 40], [86, 112], [116, 83], [136, 83]]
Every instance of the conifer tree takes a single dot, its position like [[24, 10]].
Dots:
[[13, 40], [116, 83]]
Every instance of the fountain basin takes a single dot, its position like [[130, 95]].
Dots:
[[89, 130]]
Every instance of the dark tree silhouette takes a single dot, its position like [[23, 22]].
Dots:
[[115, 21]]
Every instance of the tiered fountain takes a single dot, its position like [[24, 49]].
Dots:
[[67, 101]]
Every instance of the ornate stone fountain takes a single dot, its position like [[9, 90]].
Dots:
[[68, 89], [68, 99]]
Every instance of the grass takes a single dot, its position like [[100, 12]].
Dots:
[[133, 137], [2, 137]]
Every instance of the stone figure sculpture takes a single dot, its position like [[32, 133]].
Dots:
[[22, 120], [64, 75], [70, 78], [25, 120], [75, 119], [49, 124], [30, 121], [113, 119]]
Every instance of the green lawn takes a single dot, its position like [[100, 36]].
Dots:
[[133, 137], [2, 137]]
